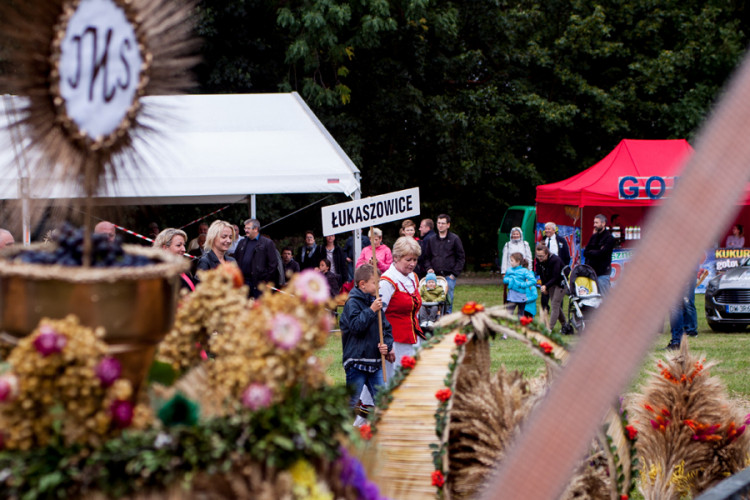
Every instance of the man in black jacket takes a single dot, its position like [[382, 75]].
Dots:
[[598, 253], [256, 256], [444, 255], [426, 232], [549, 267]]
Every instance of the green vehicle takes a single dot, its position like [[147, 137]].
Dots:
[[522, 216]]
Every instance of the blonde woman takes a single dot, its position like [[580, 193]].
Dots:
[[382, 252], [219, 239], [173, 240]]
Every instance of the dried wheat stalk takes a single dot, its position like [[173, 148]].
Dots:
[[690, 435]]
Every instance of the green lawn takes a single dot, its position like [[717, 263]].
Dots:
[[730, 350]]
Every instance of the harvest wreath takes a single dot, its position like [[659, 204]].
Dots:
[[444, 420], [255, 419]]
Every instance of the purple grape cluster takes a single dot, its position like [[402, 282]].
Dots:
[[69, 251]]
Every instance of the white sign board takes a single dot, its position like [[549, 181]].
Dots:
[[371, 211]]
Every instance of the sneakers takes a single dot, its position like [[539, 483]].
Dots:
[[672, 347], [691, 334]]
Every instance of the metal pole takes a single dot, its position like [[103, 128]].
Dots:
[[24, 192]]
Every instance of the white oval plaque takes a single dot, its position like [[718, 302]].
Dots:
[[100, 67]]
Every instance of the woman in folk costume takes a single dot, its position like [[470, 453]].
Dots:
[[399, 290]]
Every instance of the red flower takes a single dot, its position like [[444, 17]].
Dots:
[[469, 308], [480, 307], [546, 347], [366, 432], [624, 497], [438, 479], [460, 339], [408, 362], [632, 432], [444, 394], [526, 320]]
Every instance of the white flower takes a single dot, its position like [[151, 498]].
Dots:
[[285, 331], [257, 396], [312, 286]]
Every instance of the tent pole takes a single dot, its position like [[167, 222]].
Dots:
[[24, 191], [252, 207]]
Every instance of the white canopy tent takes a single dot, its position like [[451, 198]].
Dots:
[[209, 149]]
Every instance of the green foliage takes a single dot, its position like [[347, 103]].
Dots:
[[305, 425], [479, 102]]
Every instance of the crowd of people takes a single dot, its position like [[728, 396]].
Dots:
[[383, 283]]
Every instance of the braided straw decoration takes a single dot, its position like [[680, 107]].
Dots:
[[407, 429]]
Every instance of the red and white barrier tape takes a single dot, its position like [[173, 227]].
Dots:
[[137, 235], [204, 217]]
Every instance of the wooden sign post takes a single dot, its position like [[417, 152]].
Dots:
[[371, 211]]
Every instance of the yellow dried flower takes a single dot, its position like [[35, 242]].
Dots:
[[57, 381]]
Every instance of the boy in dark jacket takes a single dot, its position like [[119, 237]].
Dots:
[[360, 335]]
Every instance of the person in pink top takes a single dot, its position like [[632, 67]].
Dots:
[[382, 252]]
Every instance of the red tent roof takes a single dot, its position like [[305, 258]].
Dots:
[[602, 184]]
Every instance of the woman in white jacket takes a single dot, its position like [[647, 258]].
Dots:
[[516, 244]]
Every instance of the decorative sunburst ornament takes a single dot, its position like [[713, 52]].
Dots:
[[84, 66]]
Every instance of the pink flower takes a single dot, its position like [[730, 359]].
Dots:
[[285, 331], [312, 286], [108, 370], [326, 323], [122, 413], [257, 396], [49, 341], [8, 387]]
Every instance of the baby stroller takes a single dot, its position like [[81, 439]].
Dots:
[[427, 315], [580, 284]]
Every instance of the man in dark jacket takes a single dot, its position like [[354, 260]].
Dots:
[[444, 255], [598, 253], [360, 335], [555, 243], [426, 232], [256, 256], [549, 266]]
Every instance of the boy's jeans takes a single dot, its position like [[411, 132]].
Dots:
[[356, 379]]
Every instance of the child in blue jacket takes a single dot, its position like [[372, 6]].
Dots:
[[521, 283], [360, 335]]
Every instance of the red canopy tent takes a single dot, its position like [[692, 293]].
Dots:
[[637, 174]]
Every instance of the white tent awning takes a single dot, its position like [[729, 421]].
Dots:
[[212, 149]]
